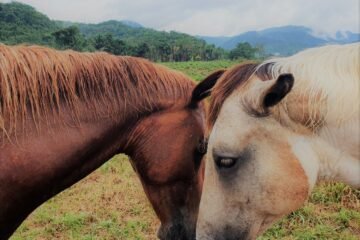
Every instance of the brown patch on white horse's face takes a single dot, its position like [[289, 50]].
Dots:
[[252, 176]]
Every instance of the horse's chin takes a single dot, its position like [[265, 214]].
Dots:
[[176, 231], [257, 228], [265, 225]]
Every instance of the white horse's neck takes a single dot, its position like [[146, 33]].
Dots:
[[321, 161], [327, 104], [336, 164]]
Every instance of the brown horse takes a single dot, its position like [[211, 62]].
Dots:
[[63, 114]]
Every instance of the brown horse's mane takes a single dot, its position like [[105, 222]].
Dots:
[[230, 80], [41, 81]]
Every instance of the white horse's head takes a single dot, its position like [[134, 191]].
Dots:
[[253, 177], [272, 137]]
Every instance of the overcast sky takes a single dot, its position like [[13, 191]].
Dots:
[[209, 17]]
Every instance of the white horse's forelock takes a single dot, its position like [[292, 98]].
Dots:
[[330, 74]]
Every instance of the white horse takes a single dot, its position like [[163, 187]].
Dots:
[[277, 128]]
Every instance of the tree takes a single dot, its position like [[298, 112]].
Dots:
[[20, 23], [109, 44], [164, 51], [261, 52], [243, 50], [142, 50], [69, 38]]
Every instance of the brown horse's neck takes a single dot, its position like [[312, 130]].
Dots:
[[67, 113], [41, 161]]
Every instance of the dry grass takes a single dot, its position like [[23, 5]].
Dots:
[[108, 204]]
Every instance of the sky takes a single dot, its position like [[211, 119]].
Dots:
[[210, 17]]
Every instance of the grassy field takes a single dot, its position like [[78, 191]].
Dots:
[[110, 203], [199, 70]]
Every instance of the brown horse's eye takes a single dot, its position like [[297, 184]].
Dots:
[[202, 146], [199, 152]]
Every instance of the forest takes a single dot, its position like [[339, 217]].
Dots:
[[22, 24]]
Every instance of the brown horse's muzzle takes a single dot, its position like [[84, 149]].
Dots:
[[217, 231], [176, 231]]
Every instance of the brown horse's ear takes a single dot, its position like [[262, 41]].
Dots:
[[279, 90], [203, 89]]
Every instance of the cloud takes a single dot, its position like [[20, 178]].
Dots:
[[322, 15], [210, 17]]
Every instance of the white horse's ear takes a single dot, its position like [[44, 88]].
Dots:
[[278, 90]]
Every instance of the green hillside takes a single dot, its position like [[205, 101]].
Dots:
[[20, 23], [176, 46]]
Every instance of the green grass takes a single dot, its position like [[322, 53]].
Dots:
[[110, 203], [199, 70], [331, 213]]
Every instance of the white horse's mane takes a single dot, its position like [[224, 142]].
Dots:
[[329, 76]]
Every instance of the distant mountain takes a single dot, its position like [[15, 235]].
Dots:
[[21, 23], [217, 41], [132, 24], [134, 34], [115, 27], [119, 29], [346, 37], [284, 40]]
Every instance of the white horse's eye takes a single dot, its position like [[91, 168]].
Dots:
[[225, 162]]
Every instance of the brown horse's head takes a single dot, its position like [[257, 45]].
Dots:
[[168, 148], [119, 105]]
